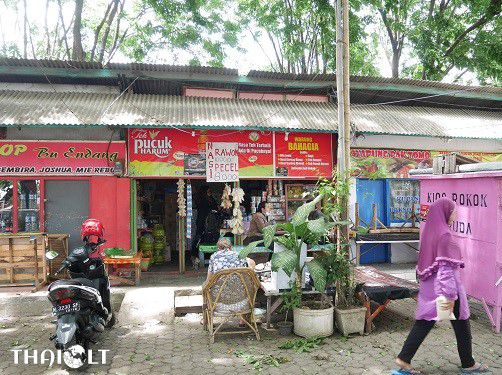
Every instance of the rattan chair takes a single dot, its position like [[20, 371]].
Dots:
[[228, 294]]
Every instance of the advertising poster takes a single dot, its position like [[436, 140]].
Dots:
[[303, 155], [222, 162], [46, 158], [173, 153], [403, 194], [387, 163], [163, 152]]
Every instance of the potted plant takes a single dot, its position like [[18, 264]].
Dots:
[[349, 314], [311, 318]]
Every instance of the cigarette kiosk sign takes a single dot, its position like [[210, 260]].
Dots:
[[54, 158]]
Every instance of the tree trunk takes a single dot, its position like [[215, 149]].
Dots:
[[396, 54], [25, 31], [78, 51]]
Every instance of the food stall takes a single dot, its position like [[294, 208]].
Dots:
[[254, 166], [478, 196], [47, 189]]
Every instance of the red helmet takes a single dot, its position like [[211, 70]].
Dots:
[[92, 227]]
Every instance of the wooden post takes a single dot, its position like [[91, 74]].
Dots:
[[36, 262], [11, 261], [374, 217], [413, 216], [358, 221]]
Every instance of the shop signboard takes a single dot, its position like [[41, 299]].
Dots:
[[303, 155], [55, 158], [387, 163], [222, 162], [396, 163], [182, 152]]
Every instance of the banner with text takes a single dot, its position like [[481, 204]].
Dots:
[[222, 162], [303, 155], [53, 158], [173, 153], [387, 163]]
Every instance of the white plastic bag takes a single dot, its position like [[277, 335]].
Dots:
[[443, 314]]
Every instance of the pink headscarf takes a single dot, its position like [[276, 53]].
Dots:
[[436, 242]]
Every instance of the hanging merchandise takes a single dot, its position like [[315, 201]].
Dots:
[[181, 198], [226, 201], [189, 212], [236, 222]]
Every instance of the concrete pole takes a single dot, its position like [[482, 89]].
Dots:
[[343, 96]]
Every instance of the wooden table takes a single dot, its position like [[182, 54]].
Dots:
[[135, 261], [272, 293], [381, 289]]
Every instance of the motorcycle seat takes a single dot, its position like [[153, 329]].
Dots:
[[77, 281]]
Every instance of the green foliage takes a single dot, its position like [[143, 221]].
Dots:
[[260, 361], [303, 34], [249, 249], [303, 345], [291, 299]]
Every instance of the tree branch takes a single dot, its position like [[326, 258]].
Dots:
[[98, 30]]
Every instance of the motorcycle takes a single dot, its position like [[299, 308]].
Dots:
[[81, 304]]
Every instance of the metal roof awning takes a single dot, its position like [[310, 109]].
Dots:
[[71, 109], [132, 110]]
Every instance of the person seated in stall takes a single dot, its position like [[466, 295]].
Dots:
[[259, 221], [225, 258]]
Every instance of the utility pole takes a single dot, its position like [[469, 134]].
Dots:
[[343, 97]]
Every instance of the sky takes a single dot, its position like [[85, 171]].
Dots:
[[255, 56]]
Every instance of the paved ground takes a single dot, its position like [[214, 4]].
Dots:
[[150, 340]]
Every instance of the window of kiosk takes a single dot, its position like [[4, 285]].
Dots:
[[6, 206], [28, 194]]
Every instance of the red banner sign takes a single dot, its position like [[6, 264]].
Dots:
[[303, 155], [172, 152], [59, 157]]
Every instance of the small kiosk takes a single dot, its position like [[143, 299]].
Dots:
[[478, 196]]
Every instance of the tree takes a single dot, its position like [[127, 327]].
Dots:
[[396, 17], [448, 33], [302, 34], [81, 31], [78, 51]]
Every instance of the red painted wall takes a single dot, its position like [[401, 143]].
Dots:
[[110, 203]]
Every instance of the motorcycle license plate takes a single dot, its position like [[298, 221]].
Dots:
[[66, 309]]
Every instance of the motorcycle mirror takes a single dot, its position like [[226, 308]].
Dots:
[[51, 254]]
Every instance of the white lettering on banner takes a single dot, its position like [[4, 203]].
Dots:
[[222, 161], [158, 147]]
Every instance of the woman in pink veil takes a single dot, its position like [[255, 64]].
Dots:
[[438, 269]]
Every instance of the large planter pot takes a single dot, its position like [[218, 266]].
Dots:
[[313, 323], [351, 320]]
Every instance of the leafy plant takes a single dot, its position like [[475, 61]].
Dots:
[[299, 232], [290, 300], [303, 345], [260, 361]]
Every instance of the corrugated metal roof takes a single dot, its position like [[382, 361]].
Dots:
[[373, 80], [118, 66], [76, 109], [86, 109], [436, 122]]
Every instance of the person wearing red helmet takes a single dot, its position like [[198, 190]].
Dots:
[[92, 231]]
